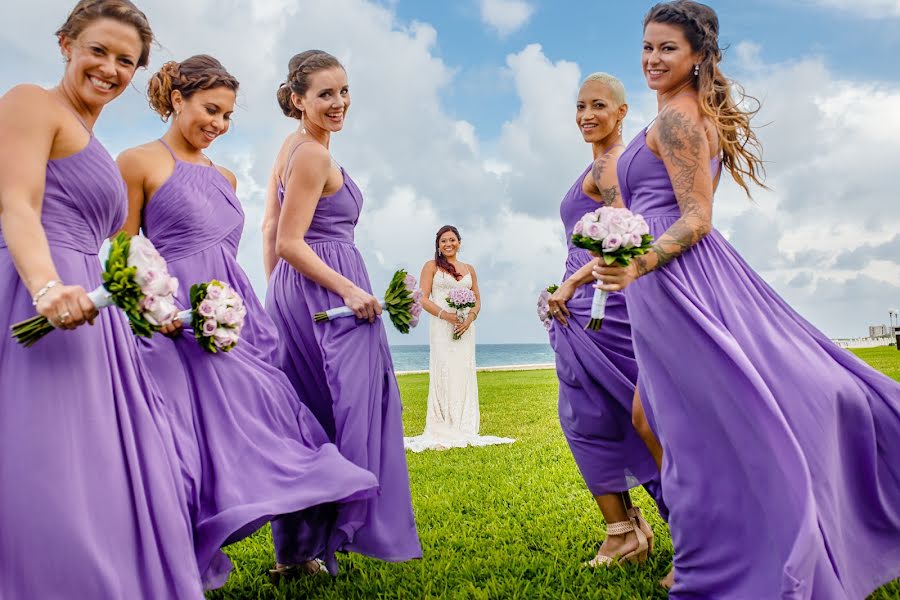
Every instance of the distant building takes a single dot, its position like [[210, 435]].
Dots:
[[879, 331]]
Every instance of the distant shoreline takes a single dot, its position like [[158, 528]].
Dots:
[[534, 367]]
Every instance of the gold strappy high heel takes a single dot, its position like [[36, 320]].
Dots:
[[638, 555], [639, 522]]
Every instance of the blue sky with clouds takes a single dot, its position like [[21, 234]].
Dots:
[[463, 113]]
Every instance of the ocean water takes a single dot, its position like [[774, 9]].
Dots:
[[415, 357]]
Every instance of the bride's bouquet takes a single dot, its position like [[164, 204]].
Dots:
[[217, 315], [402, 301], [136, 280], [543, 306], [616, 235], [460, 299]]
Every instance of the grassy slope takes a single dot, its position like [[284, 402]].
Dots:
[[498, 522]]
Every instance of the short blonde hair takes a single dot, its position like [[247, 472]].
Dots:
[[613, 83]]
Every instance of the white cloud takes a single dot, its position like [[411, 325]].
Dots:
[[823, 237], [831, 146], [506, 16]]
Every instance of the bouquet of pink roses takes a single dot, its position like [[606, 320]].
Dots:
[[460, 299], [216, 315], [402, 301], [616, 235], [136, 279], [543, 306]]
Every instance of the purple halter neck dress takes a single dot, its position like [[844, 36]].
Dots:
[[782, 451], [250, 449], [90, 501], [597, 373], [343, 371]]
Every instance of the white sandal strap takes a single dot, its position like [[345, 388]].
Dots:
[[620, 528]]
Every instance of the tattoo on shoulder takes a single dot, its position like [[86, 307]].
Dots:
[[607, 194], [681, 144]]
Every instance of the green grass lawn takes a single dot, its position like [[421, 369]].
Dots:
[[510, 521]]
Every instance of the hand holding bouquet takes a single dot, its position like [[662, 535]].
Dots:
[[543, 306], [402, 302], [460, 299], [217, 315], [136, 280], [616, 235]]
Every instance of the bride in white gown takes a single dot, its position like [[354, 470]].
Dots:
[[453, 419]]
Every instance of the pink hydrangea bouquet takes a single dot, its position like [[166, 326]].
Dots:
[[216, 315], [402, 302], [460, 299], [616, 235], [136, 279], [543, 306]]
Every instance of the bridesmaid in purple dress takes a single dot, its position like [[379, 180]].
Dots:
[[781, 467], [251, 450], [342, 369], [596, 369], [90, 502]]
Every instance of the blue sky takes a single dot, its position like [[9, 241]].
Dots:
[[463, 113]]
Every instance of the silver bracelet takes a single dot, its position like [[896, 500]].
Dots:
[[440, 312], [43, 291]]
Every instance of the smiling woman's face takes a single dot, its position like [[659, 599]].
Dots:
[[101, 61]]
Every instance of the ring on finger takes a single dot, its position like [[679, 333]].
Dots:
[[63, 317]]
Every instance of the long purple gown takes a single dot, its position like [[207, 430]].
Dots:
[[250, 449], [597, 373], [343, 371], [90, 502], [782, 451]]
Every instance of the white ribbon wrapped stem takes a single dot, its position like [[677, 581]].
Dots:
[[598, 304], [100, 297], [344, 311]]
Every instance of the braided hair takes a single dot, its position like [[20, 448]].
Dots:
[[300, 68], [741, 148], [201, 72]]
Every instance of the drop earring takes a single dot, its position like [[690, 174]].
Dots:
[[696, 70]]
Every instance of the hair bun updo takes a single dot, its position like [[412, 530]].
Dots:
[[159, 90], [200, 72], [300, 69]]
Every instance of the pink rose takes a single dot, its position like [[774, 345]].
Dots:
[[593, 231], [206, 309], [213, 292], [209, 327], [578, 229], [612, 242], [223, 338], [229, 316]]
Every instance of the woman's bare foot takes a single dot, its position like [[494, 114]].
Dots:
[[310, 567], [617, 548], [669, 580]]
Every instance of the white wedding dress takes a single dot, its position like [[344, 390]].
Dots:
[[453, 417]]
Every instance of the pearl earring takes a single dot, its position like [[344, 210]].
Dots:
[[696, 70]]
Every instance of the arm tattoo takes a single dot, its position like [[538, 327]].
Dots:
[[681, 144], [607, 194]]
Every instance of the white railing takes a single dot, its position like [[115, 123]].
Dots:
[[864, 342]]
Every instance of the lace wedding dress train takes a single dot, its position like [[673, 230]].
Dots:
[[453, 418]]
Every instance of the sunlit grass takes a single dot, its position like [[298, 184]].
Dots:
[[511, 521]]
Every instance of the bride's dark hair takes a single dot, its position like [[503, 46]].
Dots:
[[439, 258]]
